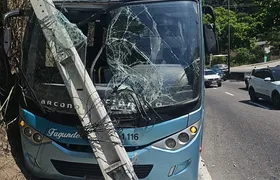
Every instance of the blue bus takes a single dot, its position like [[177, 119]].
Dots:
[[156, 48]]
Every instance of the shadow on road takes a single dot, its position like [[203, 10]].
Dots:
[[211, 87], [260, 104], [244, 89], [235, 80]]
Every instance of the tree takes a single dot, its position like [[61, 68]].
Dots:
[[270, 27], [248, 56], [250, 21], [270, 14], [241, 25]]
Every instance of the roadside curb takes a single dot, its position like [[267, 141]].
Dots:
[[203, 172]]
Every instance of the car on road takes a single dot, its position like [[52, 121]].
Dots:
[[247, 77], [220, 73], [212, 78], [222, 67], [265, 83]]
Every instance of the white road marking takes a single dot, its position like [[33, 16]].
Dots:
[[229, 94], [203, 173], [256, 104], [214, 88]]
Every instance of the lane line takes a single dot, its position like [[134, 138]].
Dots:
[[259, 105], [214, 88], [203, 173], [229, 94]]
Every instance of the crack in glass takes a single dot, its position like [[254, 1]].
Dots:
[[151, 59], [77, 38], [143, 44]]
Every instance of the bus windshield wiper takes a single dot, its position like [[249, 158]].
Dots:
[[153, 109], [147, 103], [140, 107]]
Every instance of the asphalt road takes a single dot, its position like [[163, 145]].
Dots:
[[241, 139]]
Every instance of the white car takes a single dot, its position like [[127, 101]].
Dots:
[[265, 83], [212, 78]]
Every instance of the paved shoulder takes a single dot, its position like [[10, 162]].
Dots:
[[240, 139], [203, 173]]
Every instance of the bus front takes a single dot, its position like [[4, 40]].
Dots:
[[146, 61]]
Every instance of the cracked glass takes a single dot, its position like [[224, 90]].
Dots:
[[142, 58], [153, 53], [39, 64]]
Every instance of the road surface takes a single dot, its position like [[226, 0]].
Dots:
[[241, 139]]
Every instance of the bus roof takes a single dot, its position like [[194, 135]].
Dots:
[[91, 1], [75, 1]]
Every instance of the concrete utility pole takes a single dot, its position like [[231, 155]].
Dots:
[[106, 144]]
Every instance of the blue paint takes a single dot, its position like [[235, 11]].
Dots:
[[146, 135], [195, 116]]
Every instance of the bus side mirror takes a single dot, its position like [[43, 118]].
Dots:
[[209, 32], [211, 40], [7, 31]]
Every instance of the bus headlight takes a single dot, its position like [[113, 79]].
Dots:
[[37, 137], [183, 137], [27, 131], [170, 143], [32, 134], [179, 139]]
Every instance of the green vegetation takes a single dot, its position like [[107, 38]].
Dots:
[[254, 26]]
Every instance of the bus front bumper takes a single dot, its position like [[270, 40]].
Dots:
[[50, 160]]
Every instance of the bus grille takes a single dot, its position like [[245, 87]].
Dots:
[[93, 171], [87, 148]]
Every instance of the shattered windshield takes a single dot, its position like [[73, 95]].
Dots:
[[150, 57], [153, 52]]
